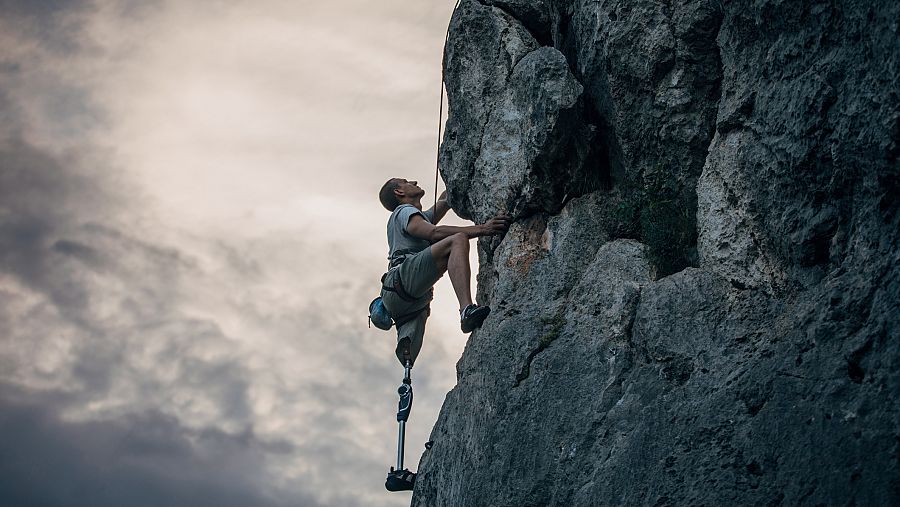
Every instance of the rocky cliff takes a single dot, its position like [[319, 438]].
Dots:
[[698, 302]]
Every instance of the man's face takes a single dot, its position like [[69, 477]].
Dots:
[[409, 188]]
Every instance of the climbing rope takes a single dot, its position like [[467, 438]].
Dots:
[[437, 161]]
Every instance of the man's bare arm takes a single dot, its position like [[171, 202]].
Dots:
[[420, 228], [440, 208]]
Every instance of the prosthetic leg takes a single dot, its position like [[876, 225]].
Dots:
[[401, 479]]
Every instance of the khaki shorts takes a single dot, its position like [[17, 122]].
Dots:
[[418, 274]]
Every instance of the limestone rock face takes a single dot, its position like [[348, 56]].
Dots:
[[518, 141], [485, 45], [698, 301], [533, 14]]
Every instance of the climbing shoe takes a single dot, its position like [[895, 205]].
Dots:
[[400, 480], [472, 316]]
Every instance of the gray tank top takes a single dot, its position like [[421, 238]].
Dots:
[[400, 242]]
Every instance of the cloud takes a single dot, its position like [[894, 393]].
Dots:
[[131, 333], [41, 201], [188, 244], [146, 458], [182, 339], [52, 24]]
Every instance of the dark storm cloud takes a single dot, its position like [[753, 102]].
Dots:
[[139, 459], [39, 199], [9, 114], [50, 23], [41, 10]]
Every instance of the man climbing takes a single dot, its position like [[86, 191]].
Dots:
[[420, 252]]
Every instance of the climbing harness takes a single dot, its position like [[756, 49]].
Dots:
[[399, 256], [379, 314], [397, 287]]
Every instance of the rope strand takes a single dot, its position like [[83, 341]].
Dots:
[[437, 161]]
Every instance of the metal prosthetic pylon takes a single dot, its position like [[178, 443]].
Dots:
[[400, 479], [403, 408]]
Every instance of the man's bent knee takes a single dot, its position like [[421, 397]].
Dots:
[[460, 240], [441, 250]]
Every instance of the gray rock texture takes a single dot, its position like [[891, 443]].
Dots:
[[698, 301], [516, 140]]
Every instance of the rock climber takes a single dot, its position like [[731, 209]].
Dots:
[[420, 252]]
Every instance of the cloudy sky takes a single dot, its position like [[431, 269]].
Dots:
[[189, 238]]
